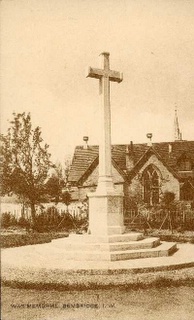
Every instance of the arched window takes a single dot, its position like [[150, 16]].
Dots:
[[151, 185]]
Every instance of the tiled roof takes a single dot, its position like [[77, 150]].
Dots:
[[83, 158], [138, 165]]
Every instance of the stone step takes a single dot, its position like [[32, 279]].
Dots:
[[135, 245], [69, 245], [163, 250], [125, 237]]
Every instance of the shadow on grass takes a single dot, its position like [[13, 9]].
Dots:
[[160, 282]]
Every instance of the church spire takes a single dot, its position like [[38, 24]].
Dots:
[[177, 133]]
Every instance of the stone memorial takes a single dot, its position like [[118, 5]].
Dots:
[[106, 204], [106, 239]]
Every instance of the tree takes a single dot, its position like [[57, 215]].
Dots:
[[56, 182], [66, 198], [168, 198], [58, 189], [25, 162]]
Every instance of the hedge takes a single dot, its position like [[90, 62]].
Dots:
[[17, 240]]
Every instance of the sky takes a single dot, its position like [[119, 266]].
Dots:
[[48, 45]]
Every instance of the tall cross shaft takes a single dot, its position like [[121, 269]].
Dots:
[[105, 75]]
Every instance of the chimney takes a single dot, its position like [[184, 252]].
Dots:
[[149, 136], [129, 156], [131, 146], [169, 149], [85, 139]]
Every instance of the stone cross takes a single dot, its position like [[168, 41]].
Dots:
[[105, 75]]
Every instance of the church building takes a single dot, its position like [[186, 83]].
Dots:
[[143, 171]]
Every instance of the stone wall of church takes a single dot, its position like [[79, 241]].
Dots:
[[90, 183], [84, 191], [168, 181], [92, 180]]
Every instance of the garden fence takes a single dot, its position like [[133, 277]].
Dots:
[[156, 219]]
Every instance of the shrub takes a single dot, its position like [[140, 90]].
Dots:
[[17, 240], [167, 198], [48, 220], [23, 223], [52, 220], [8, 220]]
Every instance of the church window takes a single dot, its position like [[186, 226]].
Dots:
[[151, 185]]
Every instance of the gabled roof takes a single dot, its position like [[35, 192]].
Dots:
[[178, 148], [168, 152], [145, 158], [94, 164], [84, 158]]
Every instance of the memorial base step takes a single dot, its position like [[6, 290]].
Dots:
[[113, 247], [110, 246]]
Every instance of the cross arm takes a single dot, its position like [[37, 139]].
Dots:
[[115, 76], [99, 73], [94, 73]]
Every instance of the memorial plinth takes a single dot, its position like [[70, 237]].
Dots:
[[106, 213]]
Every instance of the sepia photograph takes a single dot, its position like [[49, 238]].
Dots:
[[97, 159]]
